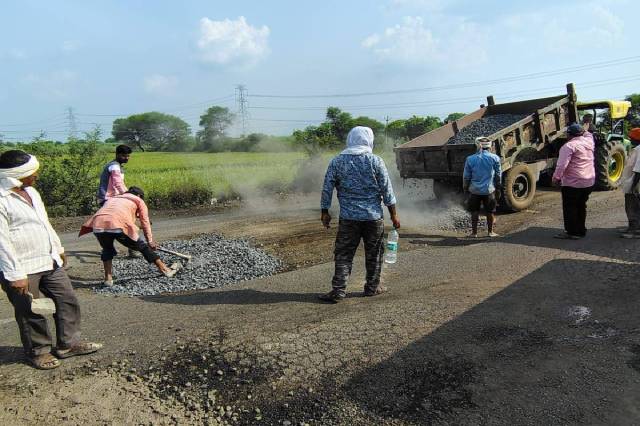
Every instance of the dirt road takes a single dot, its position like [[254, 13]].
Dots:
[[524, 329]]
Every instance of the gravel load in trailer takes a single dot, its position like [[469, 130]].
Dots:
[[215, 262], [524, 134], [485, 126]]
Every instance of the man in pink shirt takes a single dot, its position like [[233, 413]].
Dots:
[[116, 221], [112, 176], [575, 171]]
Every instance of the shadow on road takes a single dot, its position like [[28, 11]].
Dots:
[[605, 242], [235, 297], [85, 256], [11, 354], [559, 346], [443, 240]]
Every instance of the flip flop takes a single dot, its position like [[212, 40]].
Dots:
[[44, 362], [85, 348]]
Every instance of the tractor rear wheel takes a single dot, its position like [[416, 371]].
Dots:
[[519, 188], [610, 160]]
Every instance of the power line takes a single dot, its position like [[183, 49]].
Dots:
[[189, 106], [529, 76], [54, 118], [448, 101]]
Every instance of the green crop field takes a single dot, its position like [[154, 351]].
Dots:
[[190, 178]]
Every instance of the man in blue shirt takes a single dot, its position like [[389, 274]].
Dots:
[[482, 179], [362, 182]]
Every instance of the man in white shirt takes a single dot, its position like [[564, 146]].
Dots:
[[31, 262], [630, 181]]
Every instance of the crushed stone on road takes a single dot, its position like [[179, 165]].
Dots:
[[485, 126], [215, 262]]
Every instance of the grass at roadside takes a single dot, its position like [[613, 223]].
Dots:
[[182, 179]]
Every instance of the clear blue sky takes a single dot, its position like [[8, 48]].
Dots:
[[108, 58]]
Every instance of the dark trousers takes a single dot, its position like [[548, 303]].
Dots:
[[632, 208], [574, 210], [350, 232], [106, 240], [34, 331]]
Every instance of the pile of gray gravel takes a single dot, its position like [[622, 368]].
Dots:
[[485, 126], [452, 218], [215, 262]]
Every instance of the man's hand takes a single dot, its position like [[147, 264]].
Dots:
[[65, 262], [21, 286], [153, 245], [395, 221], [325, 217], [556, 182]]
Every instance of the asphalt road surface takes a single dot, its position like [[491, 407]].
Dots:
[[523, 329]]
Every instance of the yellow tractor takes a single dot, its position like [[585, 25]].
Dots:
[[606, 120]]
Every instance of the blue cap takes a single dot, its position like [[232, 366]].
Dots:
[[575, 129]]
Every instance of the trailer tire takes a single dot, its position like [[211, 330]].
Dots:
[[519, 188], [610, 160]]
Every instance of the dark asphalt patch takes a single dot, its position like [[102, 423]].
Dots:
[[425, 391]]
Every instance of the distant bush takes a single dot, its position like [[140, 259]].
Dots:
[[68, 173]]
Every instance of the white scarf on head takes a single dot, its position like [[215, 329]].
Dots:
[[10, 178], [359, 141]]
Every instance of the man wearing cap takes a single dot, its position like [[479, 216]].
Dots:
[[482, 179], [31, 262], [631, 186], [575, 171]]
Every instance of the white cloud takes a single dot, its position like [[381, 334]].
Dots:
[[448, 42], [158, 84], [231, 42]]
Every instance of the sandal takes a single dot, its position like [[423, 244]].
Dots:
[[44, 362], [79, 349]]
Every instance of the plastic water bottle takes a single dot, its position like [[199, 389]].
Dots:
[[391, 255]]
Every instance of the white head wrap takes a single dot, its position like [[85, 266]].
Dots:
[[483, 142], [10, 178], [359, 141]]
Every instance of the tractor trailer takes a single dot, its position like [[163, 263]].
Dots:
[[527, 136]]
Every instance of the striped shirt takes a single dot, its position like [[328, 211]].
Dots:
[[28, 243]]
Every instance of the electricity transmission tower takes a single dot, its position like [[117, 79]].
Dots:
[[72, 125], [243, 111]]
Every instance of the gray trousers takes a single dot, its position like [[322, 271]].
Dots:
[[632, 207], [34, 331], [350, 232]]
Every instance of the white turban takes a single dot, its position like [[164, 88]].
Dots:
[[483, 142], [10, 178], [359, 141]]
